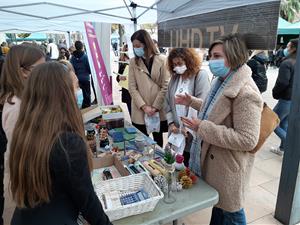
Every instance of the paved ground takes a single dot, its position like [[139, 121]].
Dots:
[[261, 198]]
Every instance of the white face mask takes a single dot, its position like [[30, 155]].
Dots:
[[180, 69]]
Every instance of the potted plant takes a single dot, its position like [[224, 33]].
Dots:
[[169, 160]]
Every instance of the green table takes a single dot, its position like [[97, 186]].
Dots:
[[200, 196]]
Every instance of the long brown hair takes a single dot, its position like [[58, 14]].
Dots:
[[189, 56], [145, 38], [12, 81], [48, 109]]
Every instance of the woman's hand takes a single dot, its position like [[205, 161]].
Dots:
[[184, 131], [173, 128], [193, 123], [148, 110], [185, 99]]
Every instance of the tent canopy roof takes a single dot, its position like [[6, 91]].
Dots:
[[284, 27], [67, 15]]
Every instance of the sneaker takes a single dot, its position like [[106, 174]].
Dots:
[[277, 151]]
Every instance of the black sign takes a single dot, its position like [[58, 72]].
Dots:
[[256, 22]]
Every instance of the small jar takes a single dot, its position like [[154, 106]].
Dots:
[[140, 142]]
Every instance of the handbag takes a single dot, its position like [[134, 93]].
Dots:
[[269, 122]]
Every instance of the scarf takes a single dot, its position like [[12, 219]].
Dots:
[[216, 91]]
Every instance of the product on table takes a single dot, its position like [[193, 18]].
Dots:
[[130, 130], [131, 198], [103, 136], [91, 139], [154, 172], [179, 165], [107, 174], [186, 182]]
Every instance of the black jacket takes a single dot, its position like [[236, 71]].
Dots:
[[258, 68], [81, 65], [284, 83], [72, 189]]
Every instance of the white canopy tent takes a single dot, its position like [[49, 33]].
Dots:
[[66, 15]]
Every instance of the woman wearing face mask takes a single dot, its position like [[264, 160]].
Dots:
[[147, 83], [50, 163], [282, 91], [186, 77], [228, 127], [78, 91]]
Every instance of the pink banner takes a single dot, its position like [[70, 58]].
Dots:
[[100, 69]]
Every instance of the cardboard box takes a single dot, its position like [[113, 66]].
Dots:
[[95, 111], [110, 160]]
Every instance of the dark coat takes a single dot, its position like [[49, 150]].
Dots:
[[284, 83], [81, 65], [258, 68]]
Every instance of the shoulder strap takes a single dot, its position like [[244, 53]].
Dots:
[[195, 81]]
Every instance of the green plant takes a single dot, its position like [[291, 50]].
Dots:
[[289, 9], [169, 158]]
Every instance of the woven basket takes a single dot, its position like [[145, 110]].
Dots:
[[129, 184]]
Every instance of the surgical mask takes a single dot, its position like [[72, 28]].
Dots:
[[180, 69], [286, 52], [218, 68], [139, 51], [79, 98]]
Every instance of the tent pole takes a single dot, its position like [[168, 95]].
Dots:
[[288, 195], [134, 19], [69, 38]]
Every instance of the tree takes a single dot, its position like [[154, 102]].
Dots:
[[151, 27], [23, 35], [289, 9]]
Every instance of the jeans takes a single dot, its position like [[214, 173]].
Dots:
[[222, 217], [282, 109]]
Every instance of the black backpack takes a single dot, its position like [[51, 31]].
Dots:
[[258, 74]]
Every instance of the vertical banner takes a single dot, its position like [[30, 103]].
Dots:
[[98, 64]]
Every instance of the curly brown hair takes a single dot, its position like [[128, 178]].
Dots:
[[191, 58]]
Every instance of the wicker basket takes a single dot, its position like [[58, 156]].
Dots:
[[129, 184]]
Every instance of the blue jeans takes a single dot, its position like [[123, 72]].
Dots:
[[282, 109], [222, 217]]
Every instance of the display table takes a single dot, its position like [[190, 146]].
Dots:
[[199, 197], [188, 201]]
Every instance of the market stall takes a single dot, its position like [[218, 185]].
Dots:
[[132, 175]]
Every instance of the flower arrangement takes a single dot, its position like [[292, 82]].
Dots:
[[187, 178]]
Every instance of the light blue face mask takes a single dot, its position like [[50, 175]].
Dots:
[[286, 52], [79, 98], [218, 68], [139, 51]]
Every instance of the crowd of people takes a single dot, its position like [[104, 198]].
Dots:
[[42, 132]]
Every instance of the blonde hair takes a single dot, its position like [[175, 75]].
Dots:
[[235, 49]]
